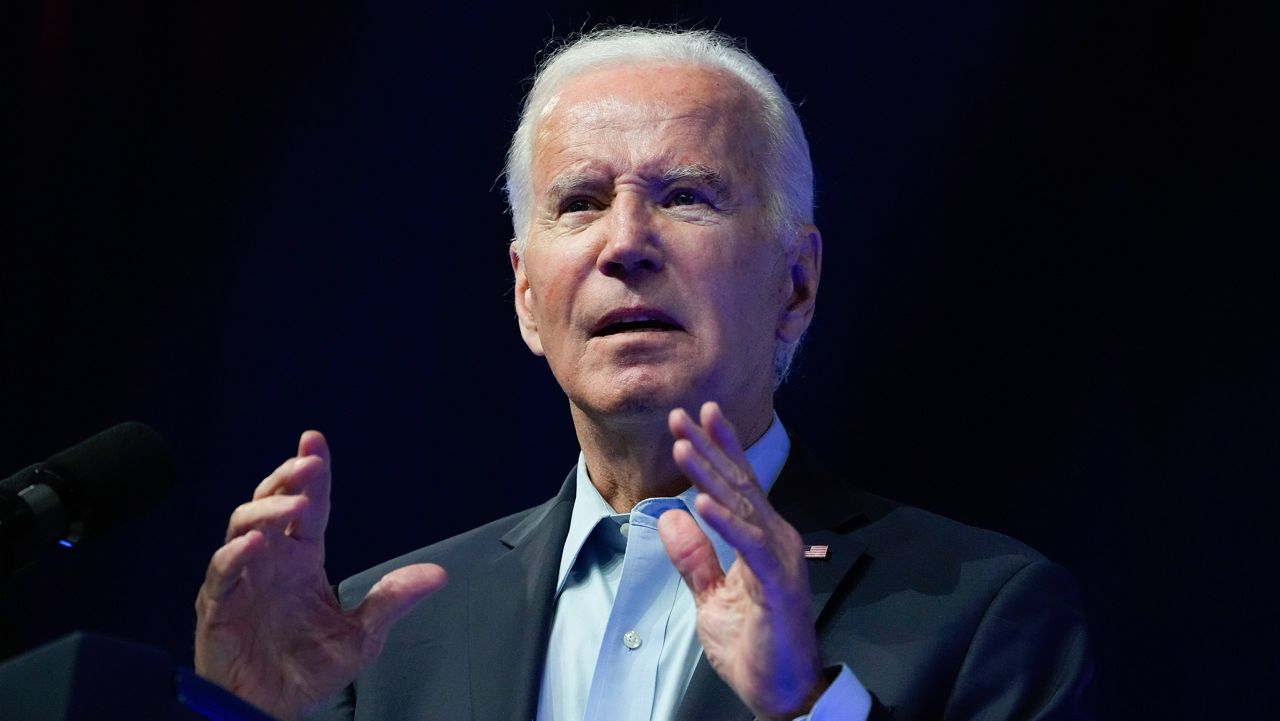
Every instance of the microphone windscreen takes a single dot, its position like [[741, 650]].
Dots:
[[115, 474]]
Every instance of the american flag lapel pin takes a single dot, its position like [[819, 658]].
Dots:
[[816, 551]]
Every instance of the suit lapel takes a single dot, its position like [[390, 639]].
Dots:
[[510, 603], [824, 509], [708, 696]]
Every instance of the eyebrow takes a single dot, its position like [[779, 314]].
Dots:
[[570, 184], [704, 175]]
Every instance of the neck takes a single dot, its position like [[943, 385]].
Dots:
[[631, 461]]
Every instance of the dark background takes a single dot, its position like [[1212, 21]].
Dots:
[[1045, 307]]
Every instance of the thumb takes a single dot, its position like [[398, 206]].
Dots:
[[394, 596], [690, 551]]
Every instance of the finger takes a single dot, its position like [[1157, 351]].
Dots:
[[690, 552], [285, 479], [291, 477], [694, 452], [313, 443], [228, 563], [708, 479], [755, 545], [395, 595], [311, 523], [314, 520], [735, 470], [746, 502], [270, 516], [683, 427], [281, 479], [717, 425], [307, 476]]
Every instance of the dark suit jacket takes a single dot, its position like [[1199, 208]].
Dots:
[[937, 620]]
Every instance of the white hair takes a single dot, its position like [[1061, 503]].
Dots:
[[787, 172]]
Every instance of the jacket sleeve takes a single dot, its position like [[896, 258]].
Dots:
[[1029, 656]]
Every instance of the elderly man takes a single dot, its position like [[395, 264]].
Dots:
[[666, 266]]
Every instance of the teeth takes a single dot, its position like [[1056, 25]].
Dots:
[[637, 322]]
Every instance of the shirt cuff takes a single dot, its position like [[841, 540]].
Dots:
[[844, 700]]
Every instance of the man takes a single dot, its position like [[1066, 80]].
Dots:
[[666, 266]]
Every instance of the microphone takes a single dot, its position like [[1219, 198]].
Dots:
[[77, 493]]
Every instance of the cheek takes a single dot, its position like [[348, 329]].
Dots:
[[756, 294], [559, 267], [552, 297]]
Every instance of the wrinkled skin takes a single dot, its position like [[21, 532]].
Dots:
[[269, 628]]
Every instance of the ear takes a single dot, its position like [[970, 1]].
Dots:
[[804, 264], [524, 303]]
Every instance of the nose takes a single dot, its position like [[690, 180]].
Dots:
[[632, 243]]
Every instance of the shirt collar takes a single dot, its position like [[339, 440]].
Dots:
[[766, 456]]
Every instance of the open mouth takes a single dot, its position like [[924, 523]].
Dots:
[[636, 326], [634, 320]]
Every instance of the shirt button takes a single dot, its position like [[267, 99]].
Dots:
[[624, 529], [631, 640]]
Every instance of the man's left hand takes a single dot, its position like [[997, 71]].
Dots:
[[754, 621]]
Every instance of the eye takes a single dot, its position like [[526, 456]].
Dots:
[[682, 197], [577, 205]]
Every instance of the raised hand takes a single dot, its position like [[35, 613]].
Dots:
[[754, 621], [269, 627]]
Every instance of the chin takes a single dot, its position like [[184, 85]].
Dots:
[[629, 398]]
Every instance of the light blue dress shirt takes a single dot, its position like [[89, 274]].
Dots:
[[623, 639]]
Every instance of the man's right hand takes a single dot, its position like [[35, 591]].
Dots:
[[268, 626]]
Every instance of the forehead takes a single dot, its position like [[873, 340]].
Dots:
[[653, 114]]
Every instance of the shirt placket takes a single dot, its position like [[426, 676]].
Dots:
[[627, 665]]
